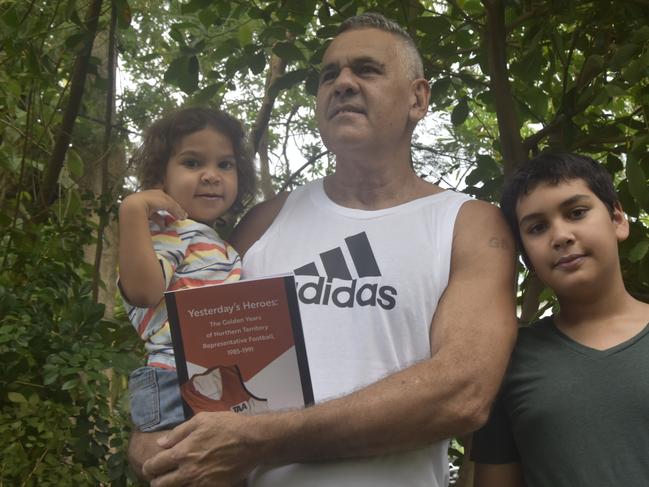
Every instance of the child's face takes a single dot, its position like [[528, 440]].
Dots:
[[570, 237], [201, 175]]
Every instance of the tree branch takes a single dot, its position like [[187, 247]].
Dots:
[[55, 164], [309, 162], [508, 124], [277, 69], [106, 190]]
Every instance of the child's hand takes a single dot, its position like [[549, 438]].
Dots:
[[151, 201]]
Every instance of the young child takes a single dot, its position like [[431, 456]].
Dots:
[[194, 169], [574, 406]]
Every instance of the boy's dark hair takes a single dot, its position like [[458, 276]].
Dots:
[[553, 168], [377, 21], [163, 136]]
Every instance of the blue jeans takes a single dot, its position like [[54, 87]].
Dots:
[[155, 399]]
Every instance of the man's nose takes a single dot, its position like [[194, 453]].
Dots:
[[346, 82]]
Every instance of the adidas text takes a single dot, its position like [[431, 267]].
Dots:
[[346, 295]]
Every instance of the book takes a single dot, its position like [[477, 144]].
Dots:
[[239, 346]]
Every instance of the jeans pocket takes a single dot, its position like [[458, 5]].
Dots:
[[144, 395]]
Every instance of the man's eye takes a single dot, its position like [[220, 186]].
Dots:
[[367, 69], [327, 76]]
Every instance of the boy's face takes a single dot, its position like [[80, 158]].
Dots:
[[570, 236], [201, 175]]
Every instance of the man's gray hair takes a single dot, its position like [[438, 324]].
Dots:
[[372, 20]]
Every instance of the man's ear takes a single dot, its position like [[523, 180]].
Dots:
[[420, 97], [620, 222]]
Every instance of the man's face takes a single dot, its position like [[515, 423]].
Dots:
[[365, 93]]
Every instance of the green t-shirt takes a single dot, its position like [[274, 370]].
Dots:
[[572, 416]]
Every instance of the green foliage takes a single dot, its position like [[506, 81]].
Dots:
[[579, 81], [62, 417]]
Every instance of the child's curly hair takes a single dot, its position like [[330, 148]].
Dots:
[[163, 136]]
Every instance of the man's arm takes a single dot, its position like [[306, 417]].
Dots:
[[503, 475], [255, 223], [472, 334]]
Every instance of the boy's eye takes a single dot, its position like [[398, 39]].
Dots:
[[578, 213], [227, 164], [536, 228]]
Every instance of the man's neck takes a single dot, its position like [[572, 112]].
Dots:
[[372, 188]]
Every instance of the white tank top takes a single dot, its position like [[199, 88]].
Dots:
[[368, 284]]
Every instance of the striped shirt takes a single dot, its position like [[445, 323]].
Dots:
[[191, 254]]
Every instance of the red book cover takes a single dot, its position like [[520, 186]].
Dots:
[[239, 346]]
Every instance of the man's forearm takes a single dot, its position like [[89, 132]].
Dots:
[[436, 404]]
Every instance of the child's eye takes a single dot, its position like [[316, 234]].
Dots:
[[227, 164], [578, 213], [191, 163], [536, 228]]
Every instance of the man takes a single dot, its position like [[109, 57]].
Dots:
[[406, 298]]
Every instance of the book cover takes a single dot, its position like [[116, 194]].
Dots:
[[239, 346]]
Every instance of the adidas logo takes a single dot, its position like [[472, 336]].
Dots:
[[359, 291]]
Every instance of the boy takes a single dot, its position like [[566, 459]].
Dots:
[[574, 406]]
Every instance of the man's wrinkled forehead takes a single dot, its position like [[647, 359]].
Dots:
[[362, 40]]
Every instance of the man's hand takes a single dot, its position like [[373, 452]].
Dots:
[[211, 449]]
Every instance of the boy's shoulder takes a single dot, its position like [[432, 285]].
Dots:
[[536, 343], [535, 331]]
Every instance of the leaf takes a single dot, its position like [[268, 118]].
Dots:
[[257, 62], [460, 112], [312, 82], [50, 377], [288, 51], [613, 163], [614, 90], [639, 251], [641, 35], [70, 384], [637, 181], [434, 27], [302, 8], [194, 6], [637, 69], [16, 397], [622, 55], [439, 89], [74, 163], [183, 72], [244, 34], [327, 32], [294, 27], [176, 35], [288, 80], [207, 17]]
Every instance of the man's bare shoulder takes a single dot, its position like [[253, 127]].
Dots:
[[481, 232], [255, 223]]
